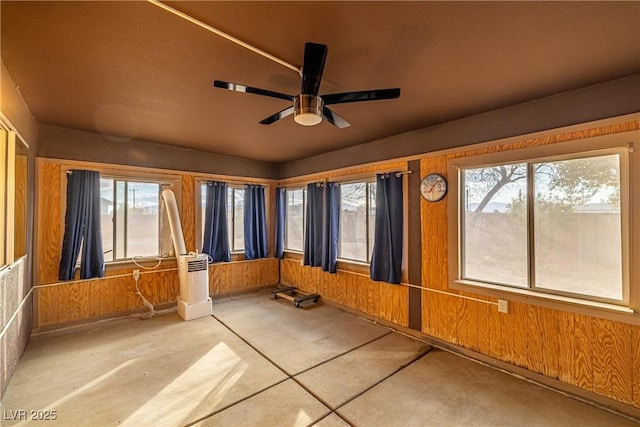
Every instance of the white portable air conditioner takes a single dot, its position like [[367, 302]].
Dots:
[[194, 300], [193, 268]]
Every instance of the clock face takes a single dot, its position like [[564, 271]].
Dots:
[[433, 187]]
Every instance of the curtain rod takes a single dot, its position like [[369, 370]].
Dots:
[[398, 174]]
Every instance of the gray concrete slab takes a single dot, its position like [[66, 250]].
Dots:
[[442, 389], [161, 371], [286, 404], [331, 420], [295, 339], [165, 371], [343, 378]]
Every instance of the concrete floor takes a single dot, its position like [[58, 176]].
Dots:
[[262, 362]]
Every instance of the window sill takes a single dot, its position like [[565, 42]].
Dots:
[[353, 262], [556, 302], [293, 251]]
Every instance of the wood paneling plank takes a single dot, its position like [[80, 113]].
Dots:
[[462, 322], [583, 366], [550, 342], [534, 359], [447, 317], [566, 347], [187, 210], [635, 351], [496, 323], [50, 221], [601, 355], [520, 336], [622, 362], [484, 327]]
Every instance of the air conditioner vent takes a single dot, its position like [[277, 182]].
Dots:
[[197, 265]]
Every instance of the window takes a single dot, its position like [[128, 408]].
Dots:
[[555, 226], [13, 195], [132, 219], [235, 216], [357, 221], [294, 229]]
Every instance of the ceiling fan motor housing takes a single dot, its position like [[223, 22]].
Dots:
[[307, 109]]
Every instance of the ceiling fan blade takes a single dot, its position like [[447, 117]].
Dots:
[[334, 119], [248, 89], [365, 95], [315, 56], [277, 116]]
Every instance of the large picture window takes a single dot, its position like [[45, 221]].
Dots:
[[357, 221], [552, 225], [294, 228], [132, 220]]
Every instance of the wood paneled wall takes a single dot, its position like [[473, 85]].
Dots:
[[351, 286], [83, 300], [50, 221], [234, 277], [89, 299], [188, 210], [598, 355]]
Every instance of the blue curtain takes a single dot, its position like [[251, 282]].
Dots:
[[216, 233], [330, 227], [386, 260], [281, 218], [314, 226], [255, 223], [82, 226]]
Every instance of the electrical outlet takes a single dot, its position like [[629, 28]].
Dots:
[[503, 306], [136, 274]]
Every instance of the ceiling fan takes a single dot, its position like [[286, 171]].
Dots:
[[308, 107]]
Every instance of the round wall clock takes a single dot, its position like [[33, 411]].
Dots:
[[433, 187]]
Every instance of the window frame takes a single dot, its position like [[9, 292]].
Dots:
[[5, 230], [369, 238], [165, 239], [9, 142], [304, 219], [622, 144], [136, 175], [200, 182], [114, 220]]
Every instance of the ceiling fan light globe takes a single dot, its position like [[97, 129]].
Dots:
[[307, 119], [307, 109]]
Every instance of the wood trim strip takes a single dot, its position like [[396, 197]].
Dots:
[[414, 245]]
